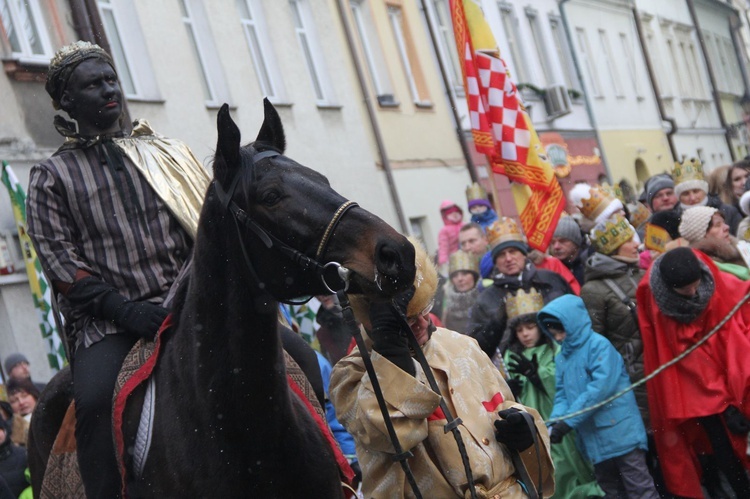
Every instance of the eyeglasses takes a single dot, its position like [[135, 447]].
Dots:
[[413, 320]]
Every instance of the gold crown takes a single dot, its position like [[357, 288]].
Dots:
[[591, 203], [689, 169], [461, 260], [614, 191], [503, 229], [609, 236], [638, 214], [475, 191], [523, 303]]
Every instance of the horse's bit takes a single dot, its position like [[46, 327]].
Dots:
[[329, 272]]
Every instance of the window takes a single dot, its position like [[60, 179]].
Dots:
[[734, 83], [510, 26], [635, 79], [675, 65], [128, 48], [588, 63], [614, 74], [447, 45], [308, 41], [541, 49], [562, 50], [373, 54], [215, 90], [256, 34], [409, 61], [23, 27]]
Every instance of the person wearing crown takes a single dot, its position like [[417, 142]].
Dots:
[[111, 241], [515, 271], [612, 277], [460, 292], [469, 384], [479, 206], [691, 189], [530, 359]]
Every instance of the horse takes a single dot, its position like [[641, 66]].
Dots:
[[226, 422]]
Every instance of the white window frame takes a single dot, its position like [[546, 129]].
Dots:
[[26, 53], [307, 36], [609, 57], [396, 20], [586, 56], [513, 38], [562, 47], [736, 85], [373, 54], [129, 51], [441, 19], [270, 82], [635, 79], [532, 16], [212, 74]]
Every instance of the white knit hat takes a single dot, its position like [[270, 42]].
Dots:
[[695, 222], [745, 203]]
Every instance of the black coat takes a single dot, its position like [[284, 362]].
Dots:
[[13, 463], [488, 319]]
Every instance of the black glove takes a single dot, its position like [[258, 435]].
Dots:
[[512, 430], [389, 331], [515, 385], [558, 431], [140, 318], [736, 422], [522, 366]]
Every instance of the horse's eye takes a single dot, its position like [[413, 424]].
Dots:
[[270, 198]]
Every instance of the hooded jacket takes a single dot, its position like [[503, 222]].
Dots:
[[612, 318], [488, 319], [448, 235], [590, 370]]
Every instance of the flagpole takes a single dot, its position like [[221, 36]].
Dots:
[[493, 188]]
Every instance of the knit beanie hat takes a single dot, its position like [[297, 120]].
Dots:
[[745, 203], [695, 222], [656, 184], [568, 228], [13, 359], [668, 220], [679, 267]]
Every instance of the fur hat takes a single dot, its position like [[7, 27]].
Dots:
[[689, 175], [695, 222], [568, 228], [594, 202], [504, 233], [425, 287], [679, 267], [655, 184], [13, 359]]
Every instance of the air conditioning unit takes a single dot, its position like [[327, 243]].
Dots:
[[556, 101]]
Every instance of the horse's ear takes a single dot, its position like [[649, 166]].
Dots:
[[227, 158], [272, 131]]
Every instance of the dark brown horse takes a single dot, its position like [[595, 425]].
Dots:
[[226, 423]]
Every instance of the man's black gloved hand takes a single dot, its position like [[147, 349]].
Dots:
[[140, 318], [389, 332], [522, 366], [512, 430], [736, 422], [558, 431]]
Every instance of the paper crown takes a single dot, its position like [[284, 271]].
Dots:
[[638, 214], [523, 303], [614, 191], [611, 234], [502, 230], [461, 260], [475, 191], [590, 200], [689, 169]]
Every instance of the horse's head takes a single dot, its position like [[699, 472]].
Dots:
[[296, 208]]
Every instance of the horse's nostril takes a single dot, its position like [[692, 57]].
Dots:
[[387, 259]]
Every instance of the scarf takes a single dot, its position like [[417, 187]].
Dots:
[[681, 308]]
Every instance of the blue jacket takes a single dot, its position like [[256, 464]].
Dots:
[[589, 370]]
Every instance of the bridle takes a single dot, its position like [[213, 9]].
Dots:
[[334, 276]]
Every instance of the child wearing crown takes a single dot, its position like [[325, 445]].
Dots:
[[479, 206], [531, 363]]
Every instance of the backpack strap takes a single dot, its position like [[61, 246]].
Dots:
[[625, 299]]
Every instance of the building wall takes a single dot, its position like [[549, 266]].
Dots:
[[627, 148]]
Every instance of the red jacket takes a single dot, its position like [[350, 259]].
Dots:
[[704, 383]]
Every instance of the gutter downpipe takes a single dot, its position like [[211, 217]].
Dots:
[[712, 79], [655, 85], [451, 99], [587, 98], [372, 117]]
